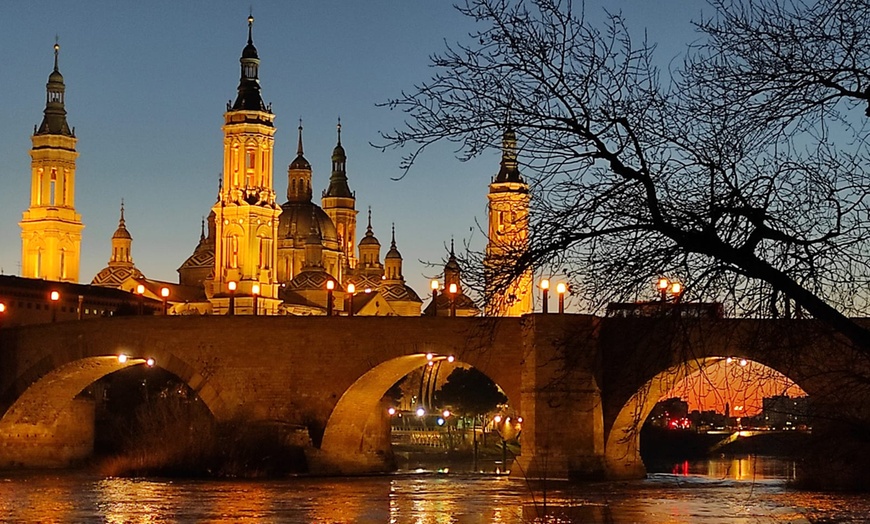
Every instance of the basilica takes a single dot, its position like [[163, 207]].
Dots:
[[256, 255]]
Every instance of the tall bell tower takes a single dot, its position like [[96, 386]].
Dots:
[[51, 230], [246, 214], [508, 292], [339, 203]]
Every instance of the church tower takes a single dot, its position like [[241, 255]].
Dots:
[[507, 294], [339, 204], [51, 230], [121, 267], [246, 213]]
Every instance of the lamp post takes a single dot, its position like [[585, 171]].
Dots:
[[545, 296], [2, 313], [434, 286], [255, 290], [164, 294], [330, 286], [452, 291], [140, 290], [54, 296], [662, 286], [231, 285], [561, 288], [351, 289], [667, 287]]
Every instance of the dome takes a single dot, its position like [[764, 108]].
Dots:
[[115, 276], [393, 253], [300, 163], [122, 233], [295, 222], [55, 77], [399, 292], [369, 240], [250, 51], [312, 280]]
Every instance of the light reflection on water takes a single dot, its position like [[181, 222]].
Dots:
[[726, 491]]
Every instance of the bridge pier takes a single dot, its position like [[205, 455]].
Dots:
[[353, 450], [563, 425], [58, 443]]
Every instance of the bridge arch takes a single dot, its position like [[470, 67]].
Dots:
[[355, 440], [622, 446], [44, 422]]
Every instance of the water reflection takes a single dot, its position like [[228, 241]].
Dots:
[[726, 491], [735, 468]]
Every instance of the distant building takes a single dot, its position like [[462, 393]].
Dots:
[[671, 413], [29, 301], [256, 250], [784, 412]]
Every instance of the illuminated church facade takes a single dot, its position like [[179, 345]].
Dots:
[[255, 254]]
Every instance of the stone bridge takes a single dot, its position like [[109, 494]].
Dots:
[[582, 384]]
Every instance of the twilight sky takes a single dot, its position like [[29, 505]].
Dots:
[[148, 82]]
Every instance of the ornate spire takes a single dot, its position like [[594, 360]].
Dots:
[[249, 98], [54, 116], [202, 230], [452, 270], [122, 232], [338, 180], [509, 171], [300, 162]]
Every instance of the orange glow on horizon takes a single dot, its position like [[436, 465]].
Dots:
[[735, 384]]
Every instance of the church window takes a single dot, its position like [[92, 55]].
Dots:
[[250, 179], [233, 251], [51, 188], [265, 253], [38, 263], [64, 198], [62, 264], [39, 188]]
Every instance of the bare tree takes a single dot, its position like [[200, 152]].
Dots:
[[744, 173]]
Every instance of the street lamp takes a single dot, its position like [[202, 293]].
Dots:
[[452, 291], [140, 290], [434, 286], [330, 286], [666, 287], [2, 313], [54, 297], [255, 290], [351, 289], [545, 296], [164, 294], [231, 285], [561, 288]]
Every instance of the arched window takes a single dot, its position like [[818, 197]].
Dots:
[[52, 187]]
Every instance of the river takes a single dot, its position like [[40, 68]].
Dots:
[[720, 491]]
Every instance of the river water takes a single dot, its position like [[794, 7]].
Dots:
[[721, 491]]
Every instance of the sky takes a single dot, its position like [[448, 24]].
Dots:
[[147, 84]]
